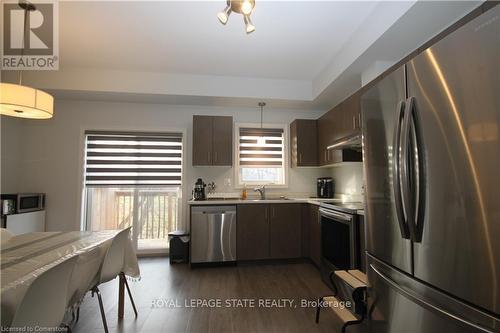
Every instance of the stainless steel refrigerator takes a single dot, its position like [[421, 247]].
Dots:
[[431, 145]]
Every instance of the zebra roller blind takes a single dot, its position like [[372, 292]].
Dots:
[[261, 147], [114, 158]]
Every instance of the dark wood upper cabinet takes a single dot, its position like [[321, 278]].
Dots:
[[342, 121], [223, 141], [304, 143], [285, 231], [202, 140], [252, 232], [212, 140], [352, 115], [326, 126]]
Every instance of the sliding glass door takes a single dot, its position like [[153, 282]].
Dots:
[[152, 212], [134, 180]]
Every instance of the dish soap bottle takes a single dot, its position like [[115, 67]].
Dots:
[[244, 192]]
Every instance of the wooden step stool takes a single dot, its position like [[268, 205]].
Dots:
[[357, 281]]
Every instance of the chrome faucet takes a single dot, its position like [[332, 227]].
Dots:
[[262, 191]]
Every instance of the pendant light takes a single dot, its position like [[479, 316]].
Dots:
[[21, 101], [261, 140], [243, 7]]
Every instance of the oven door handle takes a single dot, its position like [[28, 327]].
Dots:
[[335, 215]]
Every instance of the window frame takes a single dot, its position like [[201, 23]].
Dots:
[[238, 184]]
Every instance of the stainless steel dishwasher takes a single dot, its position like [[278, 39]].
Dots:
[[213, 234]]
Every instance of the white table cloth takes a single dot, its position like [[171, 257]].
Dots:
[[25, 257]]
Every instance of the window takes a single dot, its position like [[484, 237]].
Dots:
[[260, 156], [134, 179]]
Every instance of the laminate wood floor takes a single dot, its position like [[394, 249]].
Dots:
[[164, 289]]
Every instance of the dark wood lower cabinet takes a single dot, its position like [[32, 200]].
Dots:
[[314, 235], [305, 211], [252, 232], [285, 227], [283, 231], [362, 243], [278, 231], [268, 231]]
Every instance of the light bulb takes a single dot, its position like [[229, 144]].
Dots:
[[246, 7], [223, 16], [248, 23]]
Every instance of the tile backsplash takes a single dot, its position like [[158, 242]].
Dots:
[[301, 181], [348, 180]]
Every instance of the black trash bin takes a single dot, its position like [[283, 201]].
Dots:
[[179, 246]]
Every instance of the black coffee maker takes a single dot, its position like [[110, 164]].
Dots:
[[199, 190], [325, 187]]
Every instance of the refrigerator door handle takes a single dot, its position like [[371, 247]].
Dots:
[[396, 171], [417, 170], [406, 172], [425, 304]]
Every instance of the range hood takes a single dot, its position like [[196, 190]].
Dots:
[[346, 149], [347, 142]]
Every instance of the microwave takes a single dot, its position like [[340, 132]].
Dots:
[[22, 203]]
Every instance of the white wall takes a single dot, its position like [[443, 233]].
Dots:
[[10, 144], [52, 150]]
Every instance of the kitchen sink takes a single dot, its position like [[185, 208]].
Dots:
[[270, 199]]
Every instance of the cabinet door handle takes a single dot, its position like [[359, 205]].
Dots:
[[300, 157], [325, 155], [354, 122], [208, 156], [215, 156], [274, 212]]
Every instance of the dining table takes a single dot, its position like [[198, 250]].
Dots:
[[25, 257]]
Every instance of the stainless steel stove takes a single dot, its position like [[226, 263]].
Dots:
[[340, 238], [346, 207]]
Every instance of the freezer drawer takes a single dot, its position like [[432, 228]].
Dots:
[[399, 303], [213, 234]]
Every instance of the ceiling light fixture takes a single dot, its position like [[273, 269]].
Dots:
[[243, 7], [249, 27], [20, 101], [224, 15]]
